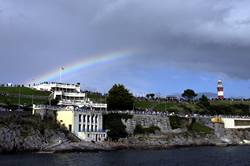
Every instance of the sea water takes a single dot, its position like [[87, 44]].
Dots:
[[192, 156]]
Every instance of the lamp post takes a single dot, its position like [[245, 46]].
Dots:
[[19, 96], [32, 99]]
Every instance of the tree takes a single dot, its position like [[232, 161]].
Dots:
[[113, 123], [189, 94], [204, 101], [54, 102], [119, 98]]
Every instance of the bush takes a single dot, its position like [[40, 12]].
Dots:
[[200, 128], [178, 122], [146, 130]]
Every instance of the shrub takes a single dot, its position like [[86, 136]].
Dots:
[[146, 130], [174, 122], [200, 128]]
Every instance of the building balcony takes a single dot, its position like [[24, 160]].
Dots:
[[96, 132], [82, 103], [74, 94]]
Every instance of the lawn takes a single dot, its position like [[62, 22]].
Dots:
[[23, 91], [10, 96], [216, 107]]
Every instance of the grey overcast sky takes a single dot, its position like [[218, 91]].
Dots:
[[177, 44]]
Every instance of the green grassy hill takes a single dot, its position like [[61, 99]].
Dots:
[[215, 108], [154, 105], [10, 96]]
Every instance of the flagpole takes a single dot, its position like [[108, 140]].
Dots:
[[60, 74], [61, 69]]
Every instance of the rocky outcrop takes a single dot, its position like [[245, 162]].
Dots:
[[232, 136], [14, 139], [183, 136], [30, 134], [178, 138]]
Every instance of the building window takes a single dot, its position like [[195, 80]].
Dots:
[[96, 128], [87, 127], [80, 118], [96, 119], [84, 116], [92, 127], [242, 122], [80, 127], [83, 127], [88, 118]]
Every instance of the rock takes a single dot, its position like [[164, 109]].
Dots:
[[14, 138]]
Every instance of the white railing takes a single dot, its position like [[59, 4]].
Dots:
[[74, 94], [46, 107], [57, 83], [98, 105], [82, 103], [131, 112]]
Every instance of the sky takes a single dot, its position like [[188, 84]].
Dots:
[[173, 45]]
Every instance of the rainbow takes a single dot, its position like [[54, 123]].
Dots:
[[81, 64]]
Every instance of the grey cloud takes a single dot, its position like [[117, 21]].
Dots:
[[197, 34], [203, 35]]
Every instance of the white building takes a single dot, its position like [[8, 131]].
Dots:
[[69, 95], [233, 123], [75, 111], [85, 124], [236, 123]]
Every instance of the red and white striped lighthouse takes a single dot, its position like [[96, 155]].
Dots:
[[220, 90]]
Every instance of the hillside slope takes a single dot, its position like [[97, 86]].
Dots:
[[10, 96]]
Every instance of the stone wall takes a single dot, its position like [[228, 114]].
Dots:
[[147, 121], [44, 113]]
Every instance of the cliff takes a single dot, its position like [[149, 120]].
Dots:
[[19, 133], [176, 131], [162, 132], [27, 133]]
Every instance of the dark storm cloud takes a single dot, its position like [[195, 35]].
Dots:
[[197, 34], [206, 35]]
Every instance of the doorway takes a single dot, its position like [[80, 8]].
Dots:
[[70, 128]]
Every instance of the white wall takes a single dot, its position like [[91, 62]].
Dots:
[[229, 123]]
